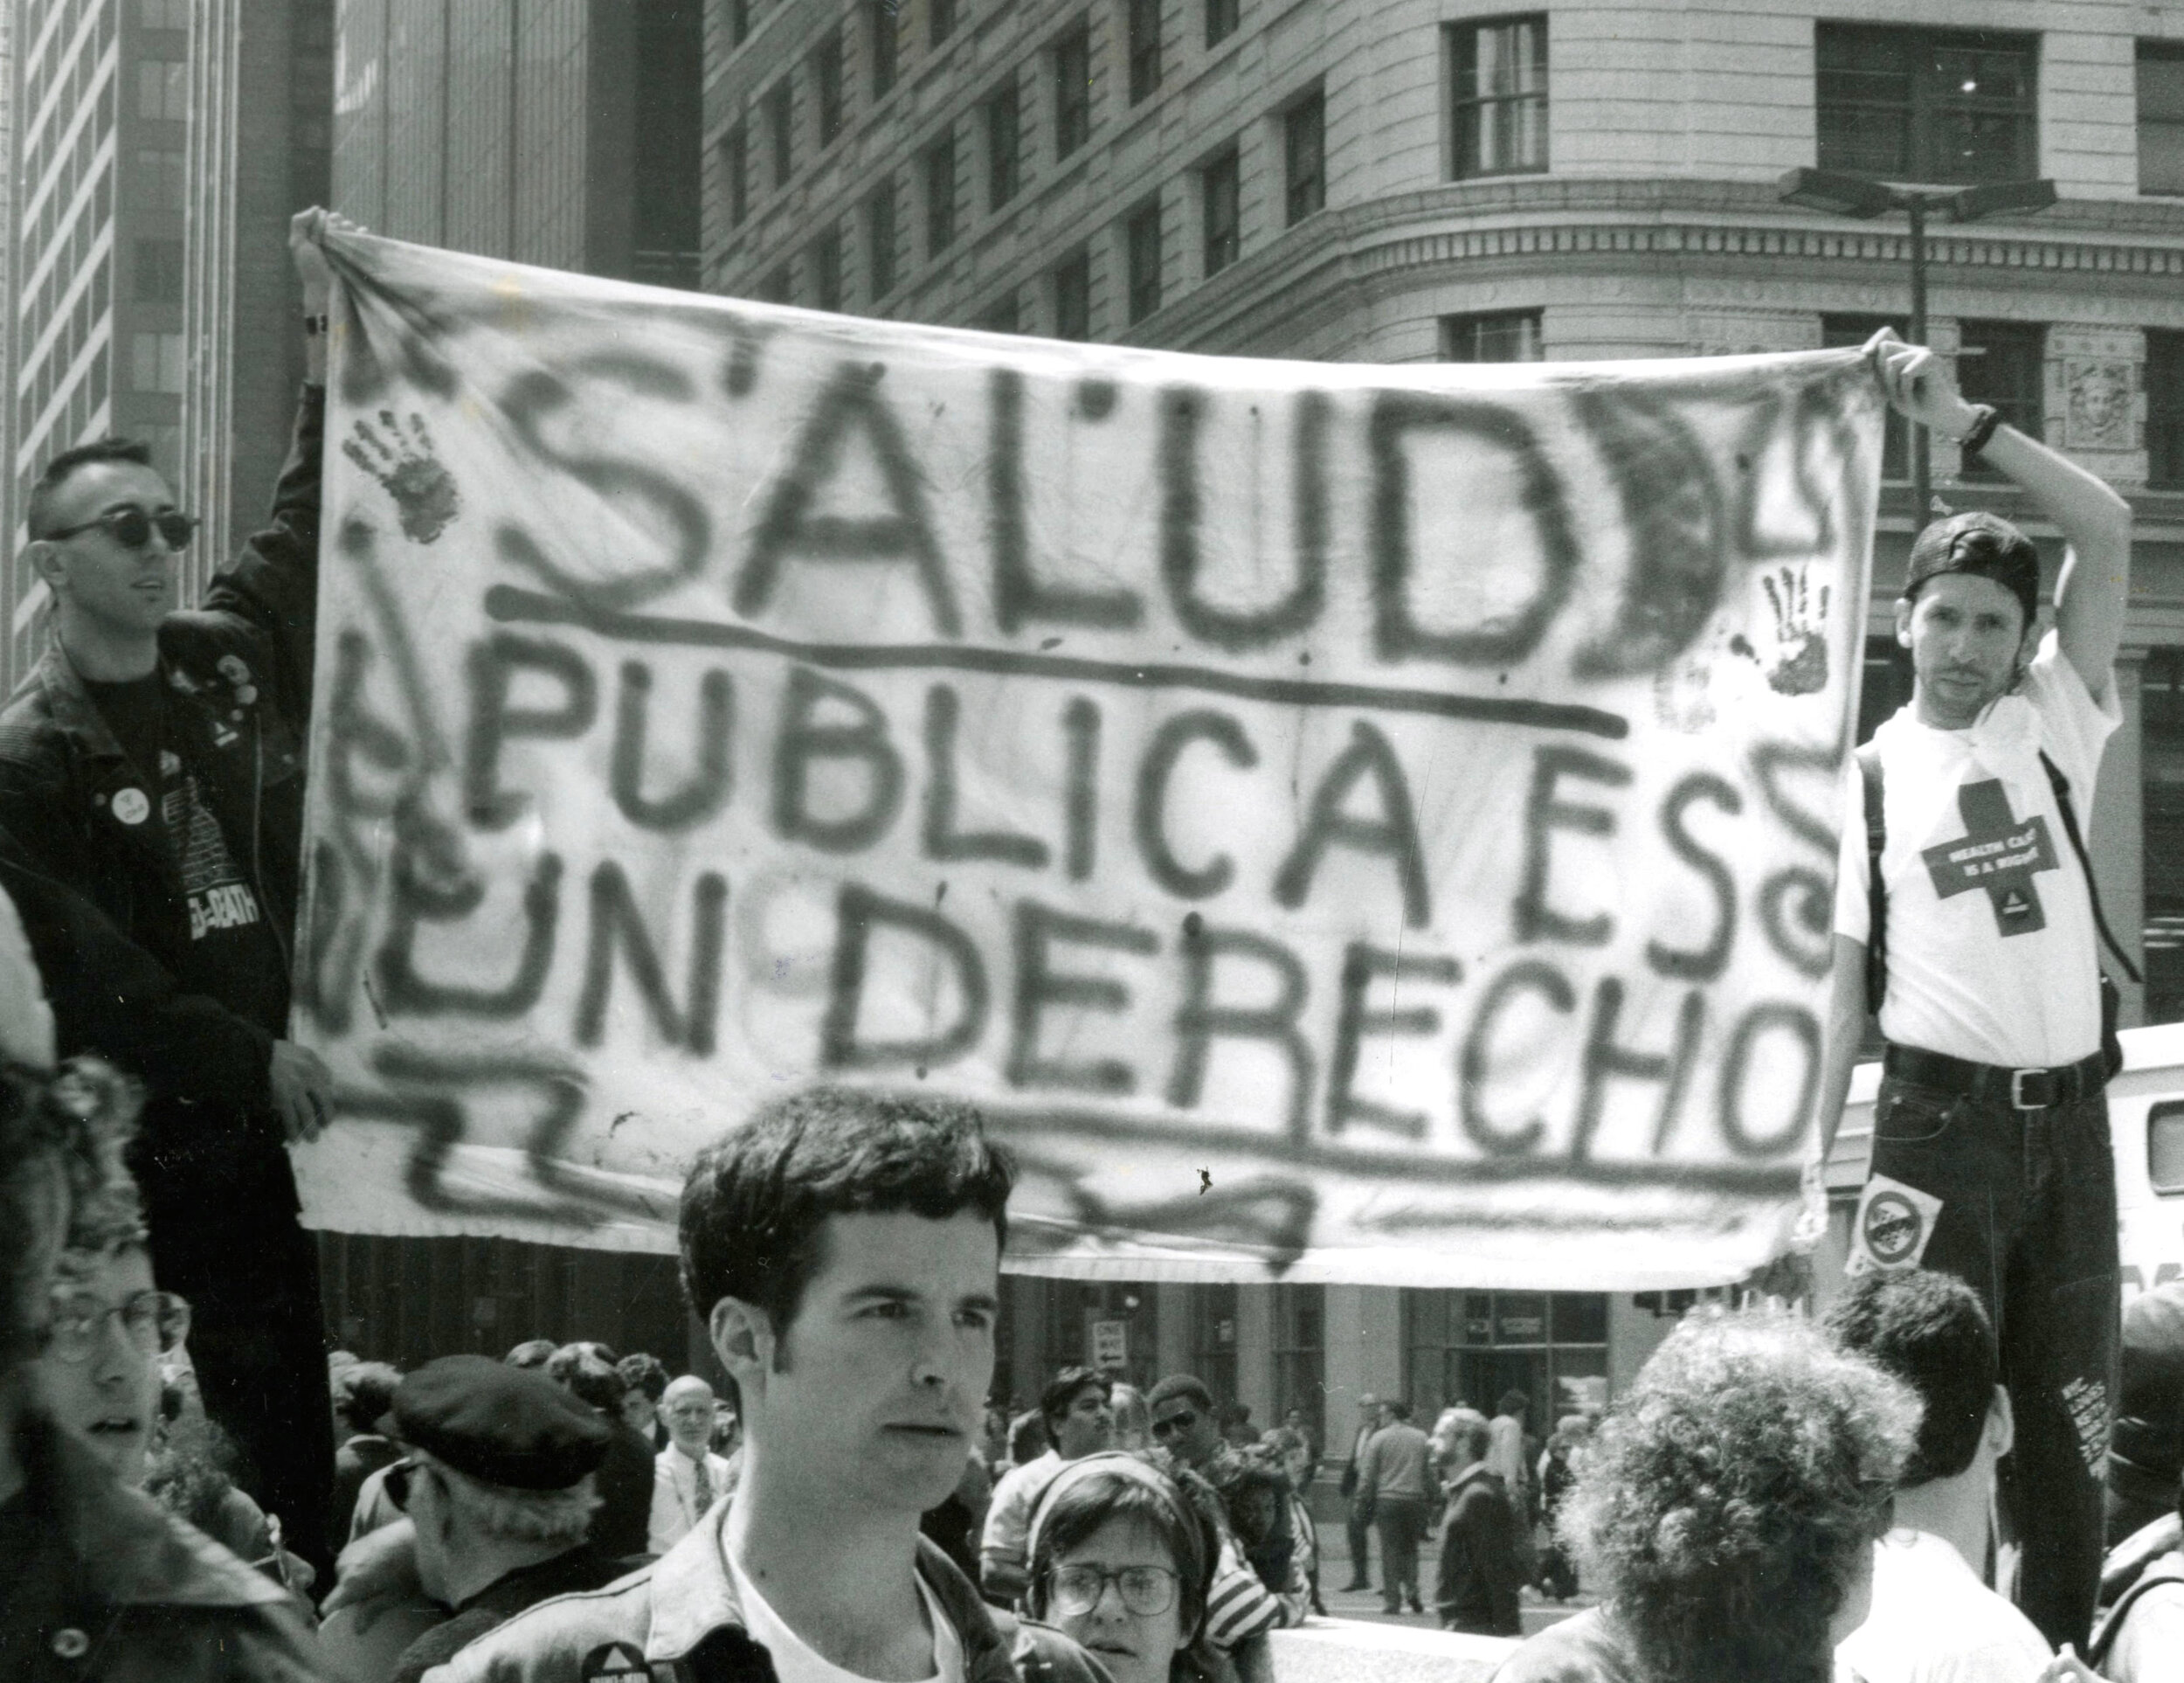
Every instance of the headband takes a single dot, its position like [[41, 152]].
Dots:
[[1125, 1466]]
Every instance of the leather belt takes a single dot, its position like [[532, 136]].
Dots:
[[2025, 1090]]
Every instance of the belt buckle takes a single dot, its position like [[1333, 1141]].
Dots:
[[2017, 1099]]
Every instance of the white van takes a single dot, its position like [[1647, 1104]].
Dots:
[[2146, 1121]]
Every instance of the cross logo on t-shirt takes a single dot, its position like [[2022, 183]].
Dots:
[[1999, 853]]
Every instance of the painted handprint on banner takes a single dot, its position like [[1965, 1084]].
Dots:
[[1797, 664], [402, 459]]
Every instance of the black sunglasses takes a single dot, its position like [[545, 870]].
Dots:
[[396, 1483], [1173, 1423], [132, 527]]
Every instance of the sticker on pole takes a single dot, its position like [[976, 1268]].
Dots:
[[1893, 1225]]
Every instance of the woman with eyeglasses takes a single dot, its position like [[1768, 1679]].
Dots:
[[1124, 1562]]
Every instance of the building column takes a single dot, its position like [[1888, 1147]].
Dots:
[[1255, 1350], [1364, 1357], [1175, 1309]]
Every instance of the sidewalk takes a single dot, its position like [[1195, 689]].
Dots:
[[1536, 1610]]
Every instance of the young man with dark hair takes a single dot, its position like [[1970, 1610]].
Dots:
[[1933, 1620], [1254, 1498], [152, 764], [1990, 1132], [1076, 1409], [645, 1378], [843, 1248]]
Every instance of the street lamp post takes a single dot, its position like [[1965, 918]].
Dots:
[[1838, 194]]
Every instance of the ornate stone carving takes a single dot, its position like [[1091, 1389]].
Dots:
[[2097, 406]]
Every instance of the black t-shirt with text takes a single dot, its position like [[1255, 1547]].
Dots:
[[233, 955]]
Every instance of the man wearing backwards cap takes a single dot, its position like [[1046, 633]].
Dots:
[[1990, 1133], [498, 1485], [843, 1248]]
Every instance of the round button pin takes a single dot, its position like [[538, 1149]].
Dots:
[[132, 805], [70, 1643]]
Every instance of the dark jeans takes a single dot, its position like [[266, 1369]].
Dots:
[[1401, 1521], [1358, 1526], [257, 1338], [2029, 1219]]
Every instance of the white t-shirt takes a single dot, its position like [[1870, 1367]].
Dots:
[[2150, 1647], [1968, 974], [794, 1661], [1934, 1622], [1008, 1517]]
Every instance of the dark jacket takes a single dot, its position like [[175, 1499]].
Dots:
[[60, 767], [121, 1591], [1480, 1574], [680, 1617], [622, 1527], [581, 1568]]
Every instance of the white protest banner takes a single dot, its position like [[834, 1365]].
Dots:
[[1375, 823]]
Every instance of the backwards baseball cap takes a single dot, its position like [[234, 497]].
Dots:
[[502, 1425], [1981, 544]]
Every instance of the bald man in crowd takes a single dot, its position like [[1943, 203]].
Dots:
[[688, 1477]]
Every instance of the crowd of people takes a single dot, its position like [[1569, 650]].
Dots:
[[190, 1488]]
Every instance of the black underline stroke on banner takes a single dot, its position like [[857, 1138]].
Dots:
[[1271, 1151], [511, 605]]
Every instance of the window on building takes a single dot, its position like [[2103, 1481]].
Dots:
[[938, 165], [880, 26], [2162, 756], [1213, 1323], [1073, 295], [156, 183], [1501, 335], [879, 238], [779, 285], [1498, 75], [1141, 241], [827, 87], [2000, 362], [1304, 157], [1073, 88], [2164, 410], [1474, 1348], [159, 271], [1004, 145], [1141, 28], [781, 132], [1220, 21], [2161, 116], [1299, 1356], [823, 259], [735, 172], [1219, 192], [1846, 332], [1000, 315], [156, 362], [1927, 105], [738, 22], [163, 90], [940, 19]]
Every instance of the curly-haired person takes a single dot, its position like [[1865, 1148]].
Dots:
[[1728, 1511]]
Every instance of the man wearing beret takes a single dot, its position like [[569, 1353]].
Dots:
[[843, 1248], [497, 1490]]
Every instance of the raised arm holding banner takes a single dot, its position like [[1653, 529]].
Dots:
[[1378, 823]]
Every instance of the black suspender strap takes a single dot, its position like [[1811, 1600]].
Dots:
[[1869, 760], [2060, 785], [1869, 757]]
